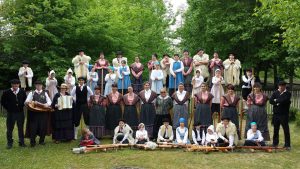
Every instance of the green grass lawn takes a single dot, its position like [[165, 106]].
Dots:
[[60, 156]]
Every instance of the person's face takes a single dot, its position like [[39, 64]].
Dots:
[[198, 74], [153, 57], [216, 55], [253, 127], [203, 87], [230, 91], [109, 70], [166, 56], [121, 124], [146, 86], [137, 59], [130, 90], [209, 131], [114, 89], [163, 93], [200, 52], [176, 58], [142, 127], [70, 74], [81, 53], [101, 56], [186, 53], [157, 67], [180, 87], [197, 127], [52, 75], [81, 82], [249, 73], [256, 89], [282, 87], [181, 124], [39, 86], [25, 65], [119, 56], [218, 73], [166, 124], [225, 122], [123, 64], [97, 91], [15, 86], [63, 90], [231, 56]]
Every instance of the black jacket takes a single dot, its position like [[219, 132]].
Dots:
[[12, 103], [282, 104]]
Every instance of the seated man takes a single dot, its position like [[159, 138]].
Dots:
[[227, 133], [254, 136], [198, 134], [211, 137], [123, 133], [182, 133], [165, 133]]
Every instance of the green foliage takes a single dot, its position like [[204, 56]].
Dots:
[[49, 32], [293, 114]]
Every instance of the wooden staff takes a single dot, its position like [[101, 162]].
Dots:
[[102, 81], [220, 92], [122, 83]]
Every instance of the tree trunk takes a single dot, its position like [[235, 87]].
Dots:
[[265, 77], [291, 77], [276, 78]]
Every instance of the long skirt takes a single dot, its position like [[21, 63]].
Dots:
[[203, 114], [113, 114], [100, 77], [159, 121], [137, 84], [231, 112], [131, 116], [147, 117], [180, 111], [97, 120], [62, 121], [246, 92], [187, 80], [259, 115]]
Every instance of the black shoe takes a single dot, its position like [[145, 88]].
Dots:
[[9, 146], [22, 144], [42, 143]]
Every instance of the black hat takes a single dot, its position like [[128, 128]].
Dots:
[[80, 50], [225, 118], [281, 83], [15, 81], [197, 124], [248, 70], [25, 62], [232, 53], [166, 120], [81, 78], [119, 53], [38, 82], [121, 120], [120, 137]]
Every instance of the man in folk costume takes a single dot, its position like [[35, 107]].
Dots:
[[147, 114], [25, 75], [81, 94], [180, 108], [281, 100], [165, 67], [227, 133], [232, 70], [187, 71], [248, 82], [123, 133], [117, 61], [37, 121], [165, 133], [13, 101], [81, 63], [200, 61]]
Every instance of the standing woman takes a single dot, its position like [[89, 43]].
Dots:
[[97, 104], [203, 101], [110, 79], [229, 105], [113, 111], [130, 108], [147, 115], [92, 79], [257, 112], [101, 67], [176, 76], [157, 78], [187, 72], [217, 90], [124, 78], [69, 80], [165, 66], [137, 69], [51, 84], [181, 102], [151, 64], [62, 119]]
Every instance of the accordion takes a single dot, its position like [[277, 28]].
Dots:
[[65, 102]]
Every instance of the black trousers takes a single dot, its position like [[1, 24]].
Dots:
[[282, 120], [80, 109], [253, 143], [38, 126], [12, 118]]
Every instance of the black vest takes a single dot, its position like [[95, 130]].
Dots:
[[40, 97], [81, 96]]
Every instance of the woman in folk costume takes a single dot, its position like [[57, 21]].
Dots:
[[182, 133], [69, 80], [187, 71], [88, 138], [200, 61], [25, 75], [92, 79], [248, 82], [214, 64], [110, 79], [232, 70], [165, 67], [123, 133], [203, 99], [196, 82], [163, 105], [117, 61], [113, 111], [51, 84], [181, 102], [227, 133], [130, 108], [198, 134], [141, 135], [124, 78], [217, 90], [211, 137], [151, 65], [147, 115], [156, 78], [254, 136], [62, 118], [165, 132], [257, 112], [229, 105], [101, 67], [97, 105], [81, 63], [176, 76], [137, 69]]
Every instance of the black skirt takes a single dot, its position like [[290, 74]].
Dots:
[[131, 116], [62, 121], [147, 117], [113, 114], [97, 120]]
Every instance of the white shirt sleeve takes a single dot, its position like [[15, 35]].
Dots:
[[48, 100], [260, 137], [159, 135], [95, 79], [194, 137], [127, 72], [29, 97], [203, 138], [29, 73], [73, 93], [106, 77], [90, 92], [186, 136], [118, 73], [178, 137], [171, 68]]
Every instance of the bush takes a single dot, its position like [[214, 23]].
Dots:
[[293, 113]]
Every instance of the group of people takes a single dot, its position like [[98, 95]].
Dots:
[[107, 97]]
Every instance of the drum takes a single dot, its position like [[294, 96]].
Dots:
[[38, 108]]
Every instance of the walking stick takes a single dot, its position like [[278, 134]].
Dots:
[[102, 81], [219, 114]]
